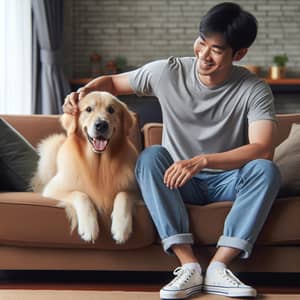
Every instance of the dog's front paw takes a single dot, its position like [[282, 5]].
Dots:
[[121, 228], [88, 229]]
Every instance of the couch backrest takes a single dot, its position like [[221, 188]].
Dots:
[[153, 131], [285, 122], [36, 127]]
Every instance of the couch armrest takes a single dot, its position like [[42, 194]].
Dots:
[[152, 134]]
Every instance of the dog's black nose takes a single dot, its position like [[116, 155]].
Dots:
[[101, 126]]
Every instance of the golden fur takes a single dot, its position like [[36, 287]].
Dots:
[[87, 173]]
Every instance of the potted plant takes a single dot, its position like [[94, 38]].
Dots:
[[121, 63], [278, 70]]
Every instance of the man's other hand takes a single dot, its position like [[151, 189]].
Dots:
[[182, 171]]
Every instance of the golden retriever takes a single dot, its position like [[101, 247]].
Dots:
[[91, 168]]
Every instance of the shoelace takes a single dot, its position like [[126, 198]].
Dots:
[[229, 276], [182, 276]]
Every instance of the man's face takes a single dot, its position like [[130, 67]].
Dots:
[[215, 57]]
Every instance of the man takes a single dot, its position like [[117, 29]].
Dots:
[[217, 145]]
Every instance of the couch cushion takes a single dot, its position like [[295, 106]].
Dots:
[[28, 219], [18, 159], [281, 227], [287, 158]]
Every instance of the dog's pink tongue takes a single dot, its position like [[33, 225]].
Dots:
[[100, 145]]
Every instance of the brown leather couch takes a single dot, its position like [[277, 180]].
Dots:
[[35, 234]]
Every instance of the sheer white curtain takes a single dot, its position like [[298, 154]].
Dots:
[[15, 57]]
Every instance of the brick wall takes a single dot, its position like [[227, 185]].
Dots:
[[144, 30]]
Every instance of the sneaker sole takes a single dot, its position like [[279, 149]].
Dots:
[[230, 292], [182, 294]]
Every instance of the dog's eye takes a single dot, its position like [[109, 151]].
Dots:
[[110, 109], [88, 109]]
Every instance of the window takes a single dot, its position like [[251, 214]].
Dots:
[[15, 57]]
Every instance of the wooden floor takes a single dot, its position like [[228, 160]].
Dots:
[[132, 281], [126, 287]]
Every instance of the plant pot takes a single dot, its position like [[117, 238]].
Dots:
[[277, 72]]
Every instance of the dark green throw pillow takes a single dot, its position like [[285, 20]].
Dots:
[[18, 159]]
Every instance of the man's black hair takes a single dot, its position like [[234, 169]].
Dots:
[[238, 27]]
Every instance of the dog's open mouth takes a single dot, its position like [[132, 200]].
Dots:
[[98, 143]]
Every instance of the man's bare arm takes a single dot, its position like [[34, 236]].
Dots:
[[261, 145], [114, 84]]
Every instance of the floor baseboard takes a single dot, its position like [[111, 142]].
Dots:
[[278, 279]]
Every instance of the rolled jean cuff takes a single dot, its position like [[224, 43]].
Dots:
[[234, 242], [182, 238]]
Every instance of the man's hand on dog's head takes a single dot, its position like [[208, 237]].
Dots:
[[71, 101], [70, 104]]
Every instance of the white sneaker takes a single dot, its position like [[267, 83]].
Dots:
[[221, 281], [186, 283]]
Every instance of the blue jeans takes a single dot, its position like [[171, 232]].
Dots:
[[252, 189]]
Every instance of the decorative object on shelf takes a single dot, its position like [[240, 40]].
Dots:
[[121, 63], [278, 70], [95, 64], [253, 68]]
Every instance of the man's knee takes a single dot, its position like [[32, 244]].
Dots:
[[266, 170], [153, 157]]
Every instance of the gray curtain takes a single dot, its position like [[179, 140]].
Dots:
[[49, 84]]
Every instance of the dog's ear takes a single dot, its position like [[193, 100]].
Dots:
[[69, 123], [127, 118]]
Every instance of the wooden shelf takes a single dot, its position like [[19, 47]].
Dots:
[[80, 81], [283, 81]]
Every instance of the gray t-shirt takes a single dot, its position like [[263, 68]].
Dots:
[[197, 119]]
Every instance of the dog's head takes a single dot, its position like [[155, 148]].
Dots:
[[102, 119]]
